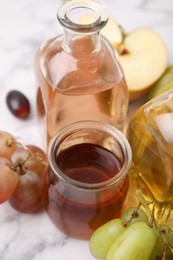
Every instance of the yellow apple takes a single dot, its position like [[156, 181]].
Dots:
[[144, 61], [164, 83], [142, 54], [113, 32]]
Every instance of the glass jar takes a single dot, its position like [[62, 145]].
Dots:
[[86, 183], [150, 134], [78, 75]]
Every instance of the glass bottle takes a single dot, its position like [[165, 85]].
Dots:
[[150, 134], [86, 183], [78, 75]]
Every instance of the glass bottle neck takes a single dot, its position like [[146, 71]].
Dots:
[[81, 44], [82, 21]]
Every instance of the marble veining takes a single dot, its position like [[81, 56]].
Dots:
[[24, 25]]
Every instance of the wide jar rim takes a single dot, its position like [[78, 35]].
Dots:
[[85, 126]]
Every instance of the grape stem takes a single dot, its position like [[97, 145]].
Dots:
[[17, 166], [152, 221], [35, 155], [11, 141], [133, 215]]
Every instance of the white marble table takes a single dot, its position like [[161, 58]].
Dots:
[[24, 25]]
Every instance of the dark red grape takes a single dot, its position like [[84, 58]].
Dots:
[[27, 197], [18, 104]]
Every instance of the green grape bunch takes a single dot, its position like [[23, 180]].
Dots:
[[136, 236]]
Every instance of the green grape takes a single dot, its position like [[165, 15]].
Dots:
[[135, 243], [141, 216], [169, 238], [159, 245], [104, 236], [168, 235], [158, 248]]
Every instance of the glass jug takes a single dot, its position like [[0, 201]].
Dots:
[[150, 134], [78, 75]]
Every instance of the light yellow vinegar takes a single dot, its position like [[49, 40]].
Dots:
[[150, 134]]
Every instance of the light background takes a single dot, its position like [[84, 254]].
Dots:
[[24, 25]]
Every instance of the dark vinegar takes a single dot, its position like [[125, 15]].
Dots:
[[78, 212], [88, 163]]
